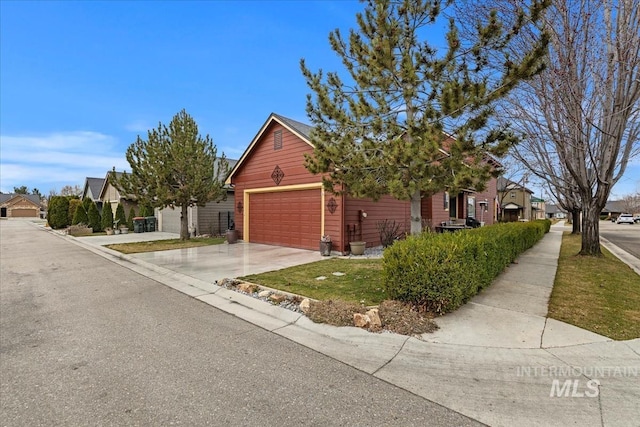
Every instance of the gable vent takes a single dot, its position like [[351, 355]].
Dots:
[[277, 140]]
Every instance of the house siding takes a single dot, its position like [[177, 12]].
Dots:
[[366, 229]]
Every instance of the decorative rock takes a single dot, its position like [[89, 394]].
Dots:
[[321, 278], [337, 273], [361, 320], [374, 318], [247, 288], [277, 298], [264, 294], [305, 304]]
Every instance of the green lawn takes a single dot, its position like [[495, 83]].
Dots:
[[598, 294], [165, 245], [361, 282]]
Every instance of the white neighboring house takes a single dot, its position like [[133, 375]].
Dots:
[[554, 212]]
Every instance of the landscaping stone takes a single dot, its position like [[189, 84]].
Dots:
[[337, 273], [247, 288], [374, 318], [277, 298], [304, 305], [361, 320], [264, 294], [321, 278]]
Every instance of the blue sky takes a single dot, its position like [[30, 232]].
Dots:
[[79, 80]]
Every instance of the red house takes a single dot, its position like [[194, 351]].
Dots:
[[279, 202]]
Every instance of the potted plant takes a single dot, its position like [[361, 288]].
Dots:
[[232, 233], [325, 245], [357, 248], [109, 231], [124, 229]]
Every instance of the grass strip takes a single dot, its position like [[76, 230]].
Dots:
[[165, 245], [358, 281], [601, 295]]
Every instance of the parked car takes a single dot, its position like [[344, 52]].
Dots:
[[636, 218], [625, 219]]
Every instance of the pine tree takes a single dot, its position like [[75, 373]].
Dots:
[[107, 216], [383, 131], [121, 219], [93, 215], [174, 167]]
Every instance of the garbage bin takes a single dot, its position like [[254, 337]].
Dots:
[[151, 223], [138, 224]]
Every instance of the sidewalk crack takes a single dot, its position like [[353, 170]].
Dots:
[[392, 358]]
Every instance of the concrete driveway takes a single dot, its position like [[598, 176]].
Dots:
[[211, 263]]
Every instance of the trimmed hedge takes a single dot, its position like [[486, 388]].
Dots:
[[440, 272]]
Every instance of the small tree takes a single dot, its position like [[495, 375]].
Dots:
[[107, 216], [93, 215], [86, 203], [174, 167], [58, 215], [74, 204], [121, 219], [132, 214], [80, 216]]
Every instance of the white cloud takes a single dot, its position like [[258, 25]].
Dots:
[[54, 160], [139, 126]]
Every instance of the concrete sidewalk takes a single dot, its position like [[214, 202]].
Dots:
[[498, 360]]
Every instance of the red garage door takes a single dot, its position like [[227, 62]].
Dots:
[[288, 218]]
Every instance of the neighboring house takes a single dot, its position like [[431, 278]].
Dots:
[[537, 208], [92, 189], [19, 206], [613, 209], [279, 202], [110, 194], [515, 201], [555, 212], [214, 218]]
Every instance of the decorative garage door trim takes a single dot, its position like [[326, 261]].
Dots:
[[248, 192]]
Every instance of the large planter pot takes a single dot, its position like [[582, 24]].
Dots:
[[232, 236], [357, 248], [325, 248], [124, 230]]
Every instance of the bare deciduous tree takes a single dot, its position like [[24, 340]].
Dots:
[[581, 116]]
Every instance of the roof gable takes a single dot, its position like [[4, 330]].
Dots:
[[299, 129], [92, 186]]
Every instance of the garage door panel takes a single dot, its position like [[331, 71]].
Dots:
[[290, 218]]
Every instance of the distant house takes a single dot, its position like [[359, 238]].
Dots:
[[613, 209], [92, 189], [279, 202], [19, 206], [538, 207], [515, 201], [214, 218]]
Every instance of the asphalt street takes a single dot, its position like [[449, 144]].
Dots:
[[625, 236], [85, 341]]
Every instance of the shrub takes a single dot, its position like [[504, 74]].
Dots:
[[388, 231], [80, 217], [58, 213], [86, 203], [95, 221], [120, 217], [440, 272], [132, 214], [107, 216], [74, 204]]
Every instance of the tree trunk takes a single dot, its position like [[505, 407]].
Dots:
[[416, 212], [184, 223], [575, 218], [591, 231]]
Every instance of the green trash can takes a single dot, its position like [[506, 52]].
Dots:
[[138, 224], [151, 223]]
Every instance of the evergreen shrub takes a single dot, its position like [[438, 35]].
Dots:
[[80, 216], [58, 212], [95, 220], [440, 272], [107, 216], [120, 217]]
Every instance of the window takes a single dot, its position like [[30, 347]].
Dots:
[[471, 207], [277, 140], [446, 200], [513, 194]]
